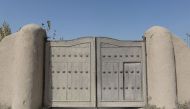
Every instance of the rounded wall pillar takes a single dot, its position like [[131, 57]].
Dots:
[[161, 77], [28, 68]]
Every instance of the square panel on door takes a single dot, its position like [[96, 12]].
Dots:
[[121, 78], [70, 73]]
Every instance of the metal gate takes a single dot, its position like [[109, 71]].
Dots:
[[70, 73], [72, 68], [120, 73]]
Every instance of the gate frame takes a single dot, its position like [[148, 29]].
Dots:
[[95, 66]]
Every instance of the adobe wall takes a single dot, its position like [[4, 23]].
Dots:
[[182, 57], [21, 61], [168, 68], [160, 67], [6, 59]]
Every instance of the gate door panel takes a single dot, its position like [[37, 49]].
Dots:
[[120, 73], [70, 73]]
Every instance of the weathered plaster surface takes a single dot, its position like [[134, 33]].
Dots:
[[6, 59], [168, 68], [21, 62], [182, 57], [160, 67]]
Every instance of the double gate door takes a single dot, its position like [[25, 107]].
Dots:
[[95, 72]]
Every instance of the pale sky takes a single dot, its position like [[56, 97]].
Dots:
[[120, 19]]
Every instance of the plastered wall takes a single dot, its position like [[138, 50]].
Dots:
[[21, 72], [182, 58], [6, 59], [168, 71], [21, 68], [160, 67]]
